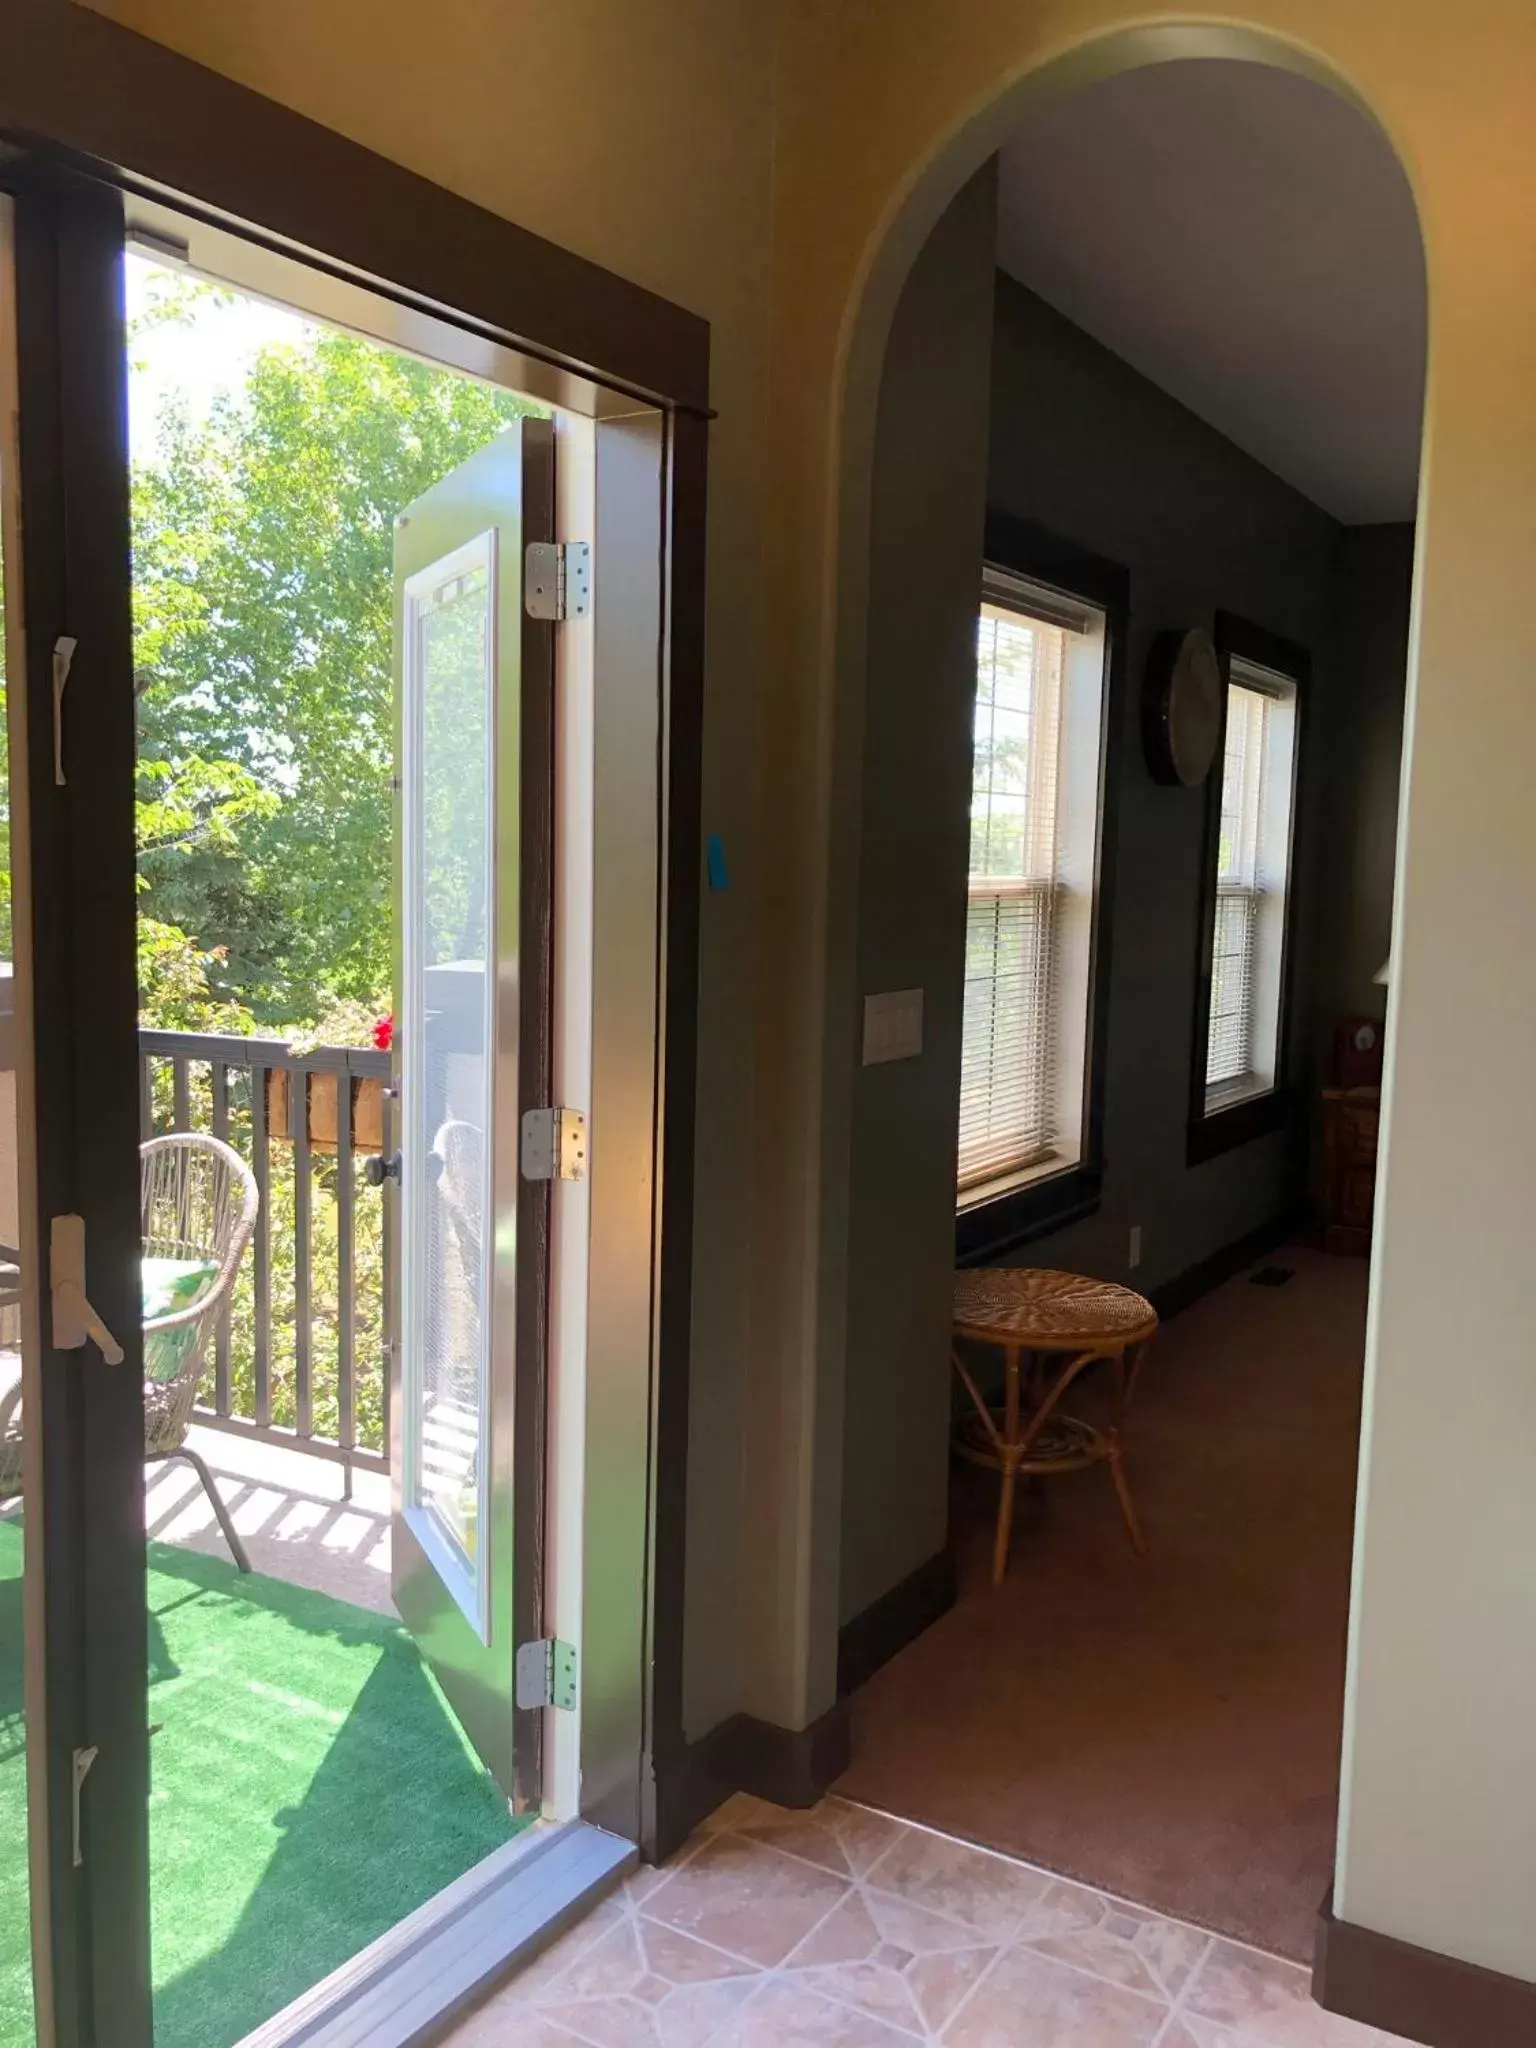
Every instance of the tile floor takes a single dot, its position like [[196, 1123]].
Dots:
[[841, 1928]]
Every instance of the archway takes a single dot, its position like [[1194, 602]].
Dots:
[[927, 199]]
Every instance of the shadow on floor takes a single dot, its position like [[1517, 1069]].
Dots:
[[309, 1789]]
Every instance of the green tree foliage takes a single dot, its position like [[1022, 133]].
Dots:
[[263, 625], [263, 543]]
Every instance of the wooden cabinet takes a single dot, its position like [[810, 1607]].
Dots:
[[1351, 1117]]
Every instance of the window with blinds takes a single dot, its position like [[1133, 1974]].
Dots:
[[1252, 877], [1022, 1031]]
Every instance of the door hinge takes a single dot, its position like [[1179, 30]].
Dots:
[[546, 1674], [557, 579], [554, 1144]]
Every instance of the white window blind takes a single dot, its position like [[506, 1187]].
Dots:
[[1251, 875], [1229, 1049], [1007, 1092]]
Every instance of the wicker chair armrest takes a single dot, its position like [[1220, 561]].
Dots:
[[10, 1404], [179, 1318]]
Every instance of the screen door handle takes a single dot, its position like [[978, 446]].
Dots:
[[73, 1317]]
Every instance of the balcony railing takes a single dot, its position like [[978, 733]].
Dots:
[[300, 1355]]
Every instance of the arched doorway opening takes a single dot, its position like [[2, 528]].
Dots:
[[1235, 452]]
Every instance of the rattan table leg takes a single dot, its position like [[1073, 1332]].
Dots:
[[1123, 1493], [1012, 1451]]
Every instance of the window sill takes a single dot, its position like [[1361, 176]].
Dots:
[[981, 1194], [991, 1222], [1237, 1123]]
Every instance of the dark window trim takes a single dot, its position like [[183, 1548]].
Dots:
[[1209, 1135], [989, 1228]]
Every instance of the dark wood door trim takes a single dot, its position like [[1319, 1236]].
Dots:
[[128, 107], [665, 1800]]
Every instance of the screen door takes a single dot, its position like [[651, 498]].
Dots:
[[472, 1037]]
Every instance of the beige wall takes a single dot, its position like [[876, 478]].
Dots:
[[646, 137]]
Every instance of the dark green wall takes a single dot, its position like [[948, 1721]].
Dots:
[[1079, 443]]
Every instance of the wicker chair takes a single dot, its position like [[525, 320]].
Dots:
[[198, 1200]]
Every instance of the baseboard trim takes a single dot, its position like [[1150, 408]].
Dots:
[[1171, 1297], [789, 1766], [1416, 1992], [884, 1628]]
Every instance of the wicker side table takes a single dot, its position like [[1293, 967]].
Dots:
[[1049, 1327]]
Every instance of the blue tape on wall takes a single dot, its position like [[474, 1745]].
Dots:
[[714, 862]]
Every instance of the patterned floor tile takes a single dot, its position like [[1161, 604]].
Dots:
[[986, 1893], [550, 1966], [1244, 1993], [941, 1983], [868, 1921], [1029, 1998], [841, 1838], [887, 1957], [1177, 2035], [837, 1928], [497, 2025], [787, 2014], [869, 1987], [746, 1898], [1123, 1944], [680, 1958]]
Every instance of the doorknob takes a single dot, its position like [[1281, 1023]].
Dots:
[[377, 1168]]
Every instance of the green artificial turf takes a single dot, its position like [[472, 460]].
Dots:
[[310, 1788]]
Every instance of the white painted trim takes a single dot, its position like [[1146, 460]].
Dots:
[[467, 1579], [166, 235], [571, 1216]]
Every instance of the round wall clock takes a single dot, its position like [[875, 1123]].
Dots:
[[1181, 707]]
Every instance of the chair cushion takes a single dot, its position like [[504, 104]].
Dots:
[[168, 1285]]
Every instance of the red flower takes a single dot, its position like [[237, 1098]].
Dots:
[[384, 1033]]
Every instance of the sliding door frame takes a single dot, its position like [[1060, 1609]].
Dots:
[[85, 1574]]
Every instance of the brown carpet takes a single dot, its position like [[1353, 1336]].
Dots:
[[1166, 1728]]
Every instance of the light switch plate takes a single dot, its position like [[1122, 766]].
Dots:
[[893, 1026]]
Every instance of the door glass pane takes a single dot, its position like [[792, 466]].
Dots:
[[449, 641]]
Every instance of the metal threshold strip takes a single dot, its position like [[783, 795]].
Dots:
[[405, 1986]]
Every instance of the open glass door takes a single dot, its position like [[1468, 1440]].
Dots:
[[472, 1039], [71, 1390]]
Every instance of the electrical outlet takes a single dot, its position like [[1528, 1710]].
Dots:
[[1133, 1258]]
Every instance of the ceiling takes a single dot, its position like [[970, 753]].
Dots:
[[1248, 241]]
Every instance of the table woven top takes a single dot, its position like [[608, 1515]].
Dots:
[[1048, 1311]]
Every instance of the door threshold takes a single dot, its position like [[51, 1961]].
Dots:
[[404, 1988]]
